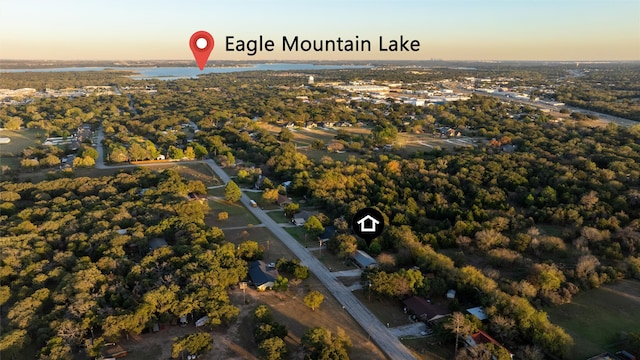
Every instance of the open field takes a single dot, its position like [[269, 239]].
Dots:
[[427, 142], [386, 310], [20, 139], [278, 216], [193, 171], [426, 350], [273, 248], [595, 317], [238, 214]]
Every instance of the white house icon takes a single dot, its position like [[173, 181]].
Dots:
[[368, 224]]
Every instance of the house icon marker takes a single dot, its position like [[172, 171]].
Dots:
[[368, 224]]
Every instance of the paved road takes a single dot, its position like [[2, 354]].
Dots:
[[381, 335], [387, 342], [100, 148]]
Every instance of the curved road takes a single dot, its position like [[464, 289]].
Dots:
[[387, 342]]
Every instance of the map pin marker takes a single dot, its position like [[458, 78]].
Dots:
[[201, 44]]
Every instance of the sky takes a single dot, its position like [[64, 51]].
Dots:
[[566, 30]]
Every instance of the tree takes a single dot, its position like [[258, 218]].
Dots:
[[189, 153], [285, 135], [137, 152], [291, 209], [320, 343], [459, 325], [313, 226], [250, 251], [262, 313], [232, 192], [270, 195], [91, 152], [13, 123], [175, 153], [281, 284], [313, 299], [200, 151], [192, 344], [223, 215], [272, 348]]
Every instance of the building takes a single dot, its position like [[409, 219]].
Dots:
[[328, 232], [283, 200], [478, 313], [311, 80], [363, 260], [263, 276], [481, 337], [425, 310]]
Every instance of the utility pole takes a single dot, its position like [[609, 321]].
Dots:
[[243, 286]]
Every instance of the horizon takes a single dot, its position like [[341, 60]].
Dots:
[[459, 30]]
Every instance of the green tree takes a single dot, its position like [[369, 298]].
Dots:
[[313, 299], [90, 152], [285, 135], [291, 209], [200, 151], [189, 153], [175, 153], [262, 313], [250, 251], [270, 195], [193, 344], [232, 192], [281, 284], [137, 152], [313, 226], [272, 348], [223, 215], [320, 343]]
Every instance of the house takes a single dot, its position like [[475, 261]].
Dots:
[[327, 234], [157, 243], [262, 275], [481, 337], [451, 294], [363, 260], [508, 148], [283, 200], [425, 310], [368, 224], [306, 214], [298, 221], [478, 313]]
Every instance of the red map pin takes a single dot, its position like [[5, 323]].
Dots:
[[201, 44]]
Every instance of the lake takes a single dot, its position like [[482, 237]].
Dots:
[[172, 73]]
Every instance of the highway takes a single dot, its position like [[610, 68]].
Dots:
[[387, 342]]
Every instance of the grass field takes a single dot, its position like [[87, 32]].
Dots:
[[278, 216], [424, 142], [594, 318], [20, 139], [238, 215], [194, 171]]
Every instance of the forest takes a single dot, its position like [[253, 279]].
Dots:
[[77, 262]]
